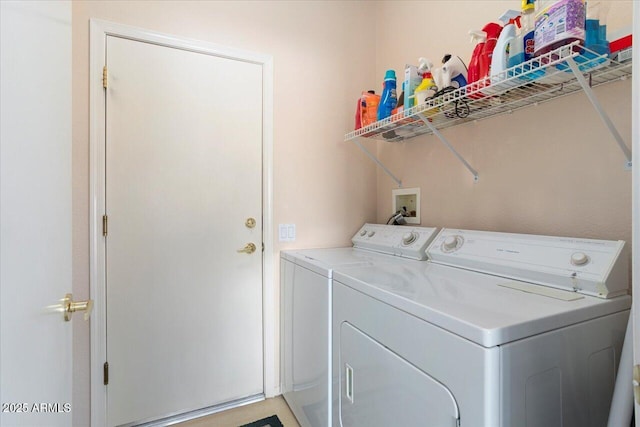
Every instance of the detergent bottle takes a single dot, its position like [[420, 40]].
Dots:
[[428, 87], [595, 40], [473, 74], [369, 102], [595, 53], [559, 23], [506, 43], [389, 96]]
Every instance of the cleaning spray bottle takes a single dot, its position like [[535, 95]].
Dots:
[[504, 45], [428, 87], [525, 46], [492, 30], [528, 29], [389, 97], [480, 37]]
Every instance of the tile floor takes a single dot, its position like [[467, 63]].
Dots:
[[247, 414]]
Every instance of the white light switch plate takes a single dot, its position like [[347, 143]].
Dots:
[[287, 232]]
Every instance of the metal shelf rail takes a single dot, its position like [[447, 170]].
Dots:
[[558, 73]]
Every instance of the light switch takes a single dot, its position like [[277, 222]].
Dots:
[[287, 232]]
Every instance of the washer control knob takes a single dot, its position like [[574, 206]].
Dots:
[[371, 233], [451, 243], [363, 232], [579, 258], [409, 238]]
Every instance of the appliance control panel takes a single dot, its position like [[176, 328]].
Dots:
[[404, 241], [588, 266]]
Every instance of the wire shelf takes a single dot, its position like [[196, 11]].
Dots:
[[541, 79]]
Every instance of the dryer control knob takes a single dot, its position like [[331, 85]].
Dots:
[[363, 232], [579, 258], [409, 238], [371, 233], [451, 243]]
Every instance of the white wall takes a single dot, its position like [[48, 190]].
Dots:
[[323, 54]]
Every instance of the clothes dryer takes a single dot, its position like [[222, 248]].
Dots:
[[496, 330], [306, 287]]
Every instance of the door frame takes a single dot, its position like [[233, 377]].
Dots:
[[99, 30]]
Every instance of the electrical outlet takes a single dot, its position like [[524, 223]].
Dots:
[[287, 232]]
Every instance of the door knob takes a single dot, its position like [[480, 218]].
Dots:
[[248, 249], [70, 306]]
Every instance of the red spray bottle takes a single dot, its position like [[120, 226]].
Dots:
[[492, 30], [473, 74]]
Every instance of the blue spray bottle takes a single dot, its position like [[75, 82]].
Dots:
[[389, 97]]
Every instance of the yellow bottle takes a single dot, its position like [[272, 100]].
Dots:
[[427, 87]]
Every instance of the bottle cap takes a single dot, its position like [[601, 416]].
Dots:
[[528, 6], [390, 74]]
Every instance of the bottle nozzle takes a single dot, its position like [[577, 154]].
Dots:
[[478, 35], [517, 21], [508, 16], [424, 65]]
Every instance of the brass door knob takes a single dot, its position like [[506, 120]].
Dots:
[[248, 249], [70, 306]]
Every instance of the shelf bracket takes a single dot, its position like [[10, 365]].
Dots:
[[601, 112], [442, 139], [378, 162]]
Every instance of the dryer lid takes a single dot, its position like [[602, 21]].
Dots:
[[486, 309]]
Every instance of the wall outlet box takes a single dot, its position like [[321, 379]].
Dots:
[[407, 201]]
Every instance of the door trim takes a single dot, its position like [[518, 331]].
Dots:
[[99, 30]]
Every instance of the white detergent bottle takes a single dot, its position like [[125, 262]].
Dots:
[[500, 57]]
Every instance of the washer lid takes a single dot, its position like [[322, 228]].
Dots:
[[588, 266], [323, 261], [483, 308]]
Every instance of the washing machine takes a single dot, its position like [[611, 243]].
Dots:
[[306, 288], [495, 330]]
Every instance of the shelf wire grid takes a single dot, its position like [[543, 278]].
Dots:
[[533, 82]]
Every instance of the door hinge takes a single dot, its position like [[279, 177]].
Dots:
[[105, 373], [262, 246], [104, 77], [105, 224]]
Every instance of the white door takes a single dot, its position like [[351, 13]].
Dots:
[[636, 211], [35, 213], [183, 196]]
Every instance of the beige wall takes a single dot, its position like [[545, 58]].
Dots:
[[566, 182], [322, 58], [552, 169]]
